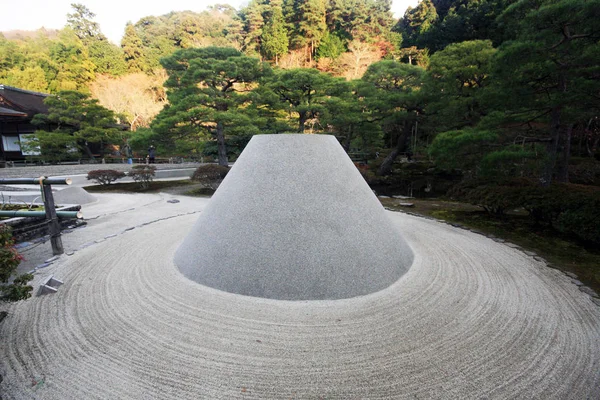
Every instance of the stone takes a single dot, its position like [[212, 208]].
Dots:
[[588, 290], [52, 259], [406, 204], [570, 274], [294, 220]]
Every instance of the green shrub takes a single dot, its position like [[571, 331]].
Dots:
[[9, 261], [210, 175], [585, 171], [105, 176], [143, 174], [568, 208]]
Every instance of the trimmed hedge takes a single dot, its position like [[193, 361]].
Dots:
[[210, 175], [105, 176], [568, 208], [143, 174]]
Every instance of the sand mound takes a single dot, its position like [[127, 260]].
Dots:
[[73, 195], [294, 220]]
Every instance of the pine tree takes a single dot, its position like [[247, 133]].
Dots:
[[133, 50], [254, 24], [312, 25], [275, 38], [416, 23]]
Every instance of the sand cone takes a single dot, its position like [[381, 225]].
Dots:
[[294, 220]]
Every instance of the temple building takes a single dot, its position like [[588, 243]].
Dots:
[[17, 108]]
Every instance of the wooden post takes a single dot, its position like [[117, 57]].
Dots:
[[52, 218]]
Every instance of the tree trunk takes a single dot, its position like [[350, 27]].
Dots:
[[552, 148], [221, 148], [346, 144], [562, 175], [386, 166], [302, 121], [88, 152]]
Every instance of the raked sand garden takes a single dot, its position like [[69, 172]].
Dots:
[[471, 318]]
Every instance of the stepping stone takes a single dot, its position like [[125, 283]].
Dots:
[[50, 285]]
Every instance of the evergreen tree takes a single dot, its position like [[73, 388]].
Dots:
[[254, 24], [394, 97], [312, 24], [133, 50], [107, 58], [548, 76], [458, 77], [416, 23], [81, 21], [208, 92], [331, 46], [78, 121], [274, 38], [304, 91]]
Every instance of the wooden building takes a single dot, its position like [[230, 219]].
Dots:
[[17, 108]]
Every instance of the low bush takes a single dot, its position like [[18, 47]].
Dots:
[[105, 176], [210, 175], [143, 174], [9, 261], [568, 208], [368, 175]]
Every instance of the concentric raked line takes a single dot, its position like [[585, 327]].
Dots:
[[472, 318]]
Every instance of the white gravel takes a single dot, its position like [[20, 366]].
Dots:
[[471, 319]]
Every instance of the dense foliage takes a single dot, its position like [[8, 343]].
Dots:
[[210, 175]]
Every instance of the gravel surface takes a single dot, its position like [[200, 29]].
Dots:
[[471, 319], [281, 229]]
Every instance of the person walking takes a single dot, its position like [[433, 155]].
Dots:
[[151, 154]]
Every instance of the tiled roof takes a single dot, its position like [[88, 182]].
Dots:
[[24, 101]]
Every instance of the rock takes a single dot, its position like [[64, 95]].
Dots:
[[406, 204], [51, 259], [173, 201], [578, 283], [384, 197], [588, 290], [571, 275]]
